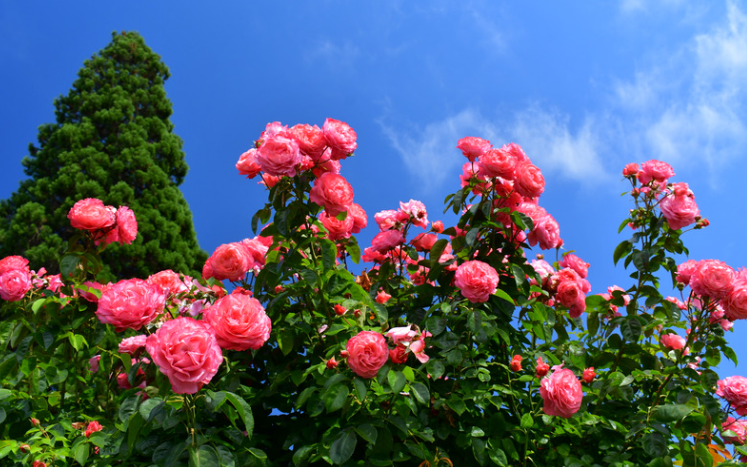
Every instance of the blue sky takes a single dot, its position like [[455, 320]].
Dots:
[[583, 87]]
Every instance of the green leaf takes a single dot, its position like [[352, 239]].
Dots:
[[435, 368], [80, 453], [498, 456], [299, 457], [397, 380], [671, 412], [204, 456], [360, 388], [527, 421], [335, 397], [244, 411], [258, 453], [343, 447], [353, 250], [654, 444], [457, 404], [68, 264], [367, 432], [631, 329], [285, 342], [421, 393], [150, 408], [519, 274], [329, 253], [622, 249]]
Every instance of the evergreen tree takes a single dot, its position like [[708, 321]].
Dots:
[[112, 140]]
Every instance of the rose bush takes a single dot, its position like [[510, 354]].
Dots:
[[307, 361]]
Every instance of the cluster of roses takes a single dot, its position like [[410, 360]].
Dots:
[[15, 278], [734, 391], [105, 223], [234, 260], [676, 200], [568, 286], [517, 183], [716, 288]]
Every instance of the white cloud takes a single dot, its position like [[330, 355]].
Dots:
[[338, 57]]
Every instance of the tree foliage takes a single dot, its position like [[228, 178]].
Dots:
[[112, 140]]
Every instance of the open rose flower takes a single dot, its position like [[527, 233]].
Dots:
[[13, 262], [91, 214], [229, 261], [187, 352], [126, 225], [712, 278], [367, 353], [14, 284], [239, 321], [476, 280], [655, 170], [92, 428], [332, 192], [248, 165], [279, 156], [473, 147], [130, 304], [131, 345], [528, 180], [738, 427], [340, 137], [562, 393], [734, 391]]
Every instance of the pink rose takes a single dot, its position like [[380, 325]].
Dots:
[[131, 345], [686, 270], [279, 156], [735, 303], [672, 341], [437, 226], [631, 169], [391, 219], [187, 352], [734, 391], [571, 295], [169, 281], [546, 231], [239, 321], [424, 241], [516, 363], [230, 261], [359, 217], [679, 210], [332, 192], [712, 278], [90, 296], [562, 394], [739, 427], [367, 353], [382, 297], [91, 214], [655, 170], [310, 139], [476, 280], [93, 427], [257, 248], [577, 264], [543, 268], [130, 304], [13, 262], [589, 375], [338, 229], [93, 363], [248, 165], [126, 225], [340, 137], [416, 212], [473, 147], [14, 284], [498, 163], [528, 180], [542, 368], [386, 241]]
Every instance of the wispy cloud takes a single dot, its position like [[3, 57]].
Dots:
[[339, 57]]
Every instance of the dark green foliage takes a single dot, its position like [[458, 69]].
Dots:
[[112, 140]]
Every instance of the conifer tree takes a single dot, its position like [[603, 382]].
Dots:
[[112, 140]]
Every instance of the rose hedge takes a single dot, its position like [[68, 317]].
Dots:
[[450, 348]]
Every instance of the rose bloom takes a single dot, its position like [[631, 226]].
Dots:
[[38, 464], [93, 427], [672, 341], [340, 137], [91, 214], [516, 363], [386, 241], [542, 368], [631, 169], [382, 297], [338, 229], [712, 278], [416, 211], [310, 140], [679, 210], [739, 427], [131, 345], [735, 303], [734, 390], [13, 262], [571, 295], [229, 261], [391, 219], [247, 164], [589, 375], [577, 264], [367, 353], [169, 281], [279, 155], [562, 393], [546, 231], [686, 270], [130, 304], [93, 363], [257, 248], [437, 226], [14, 284], [332, 192], [498, 163], [187, 352], [476, 280], [424, 241], [473, 147], [126, 225], [239, 321], [359, 216], [528, 180], [655, 170]]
